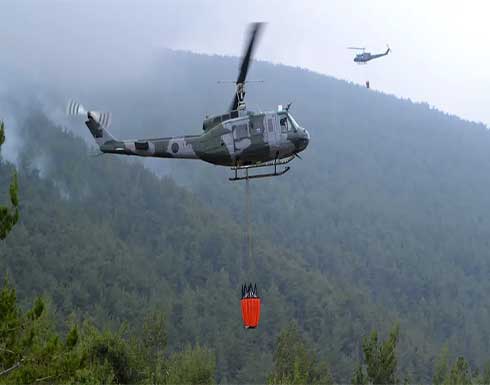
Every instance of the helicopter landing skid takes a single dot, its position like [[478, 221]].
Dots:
[[274, 164]]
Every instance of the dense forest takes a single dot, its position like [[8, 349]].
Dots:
[[384, 222]]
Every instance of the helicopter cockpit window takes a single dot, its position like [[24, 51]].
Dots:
[[284, 124], [287, 124]]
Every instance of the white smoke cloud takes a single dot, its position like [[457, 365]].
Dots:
[[63, 190], [13, 143]]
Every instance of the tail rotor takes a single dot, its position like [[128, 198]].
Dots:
[[97, 122], [75, 108]]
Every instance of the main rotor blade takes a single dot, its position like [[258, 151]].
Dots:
[[254, 33], [247, 58]]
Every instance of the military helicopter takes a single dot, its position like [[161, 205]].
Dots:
[[364, 57], [240, 138]]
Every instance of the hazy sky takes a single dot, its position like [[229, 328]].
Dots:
[[440, 52]]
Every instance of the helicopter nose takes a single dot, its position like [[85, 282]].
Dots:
[[306, 138], [303, 140]]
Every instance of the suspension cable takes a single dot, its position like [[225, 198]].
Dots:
[[247, 214]]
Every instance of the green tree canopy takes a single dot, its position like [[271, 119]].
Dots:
[[380, 360], [193, 366], [31, 351], [8, 215], [460, 373], [294, 362]]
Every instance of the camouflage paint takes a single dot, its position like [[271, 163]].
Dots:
[[220, 142]]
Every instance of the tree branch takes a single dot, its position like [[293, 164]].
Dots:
[[46, 378], [7, 350], [7, 371]]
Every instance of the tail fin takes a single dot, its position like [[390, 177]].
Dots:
[[97, 122], [388, 50]]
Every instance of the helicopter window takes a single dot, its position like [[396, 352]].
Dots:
[[258, 127], [270, 125], [284, 124], [241, 131]]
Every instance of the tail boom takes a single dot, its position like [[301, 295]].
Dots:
[[173, 147]]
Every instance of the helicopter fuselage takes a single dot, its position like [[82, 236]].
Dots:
[[243, 140], [364, 57], [249, 138]]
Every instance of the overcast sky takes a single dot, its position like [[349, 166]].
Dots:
[[440, 52]]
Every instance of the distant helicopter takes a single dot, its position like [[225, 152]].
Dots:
[[364, 57], [240, 138]]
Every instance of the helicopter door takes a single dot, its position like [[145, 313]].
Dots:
[[241, 136], [271, 132]]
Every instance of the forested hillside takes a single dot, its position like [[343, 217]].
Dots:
[[386, 218], [108, 240]]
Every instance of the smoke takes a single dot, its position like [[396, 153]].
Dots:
[[41, 164], [19, 99], [8, 114], [13, 144], [63, 190]]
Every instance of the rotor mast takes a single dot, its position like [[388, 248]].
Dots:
[[240, 93]]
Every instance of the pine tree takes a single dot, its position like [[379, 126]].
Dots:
[[460, 373], [441, 368], [486, 373], [294, 362], [380, 360], [193, 366], [8, 215]]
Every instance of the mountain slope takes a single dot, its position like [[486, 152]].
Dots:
[[107, 239], [385, 218], [392, 196]]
